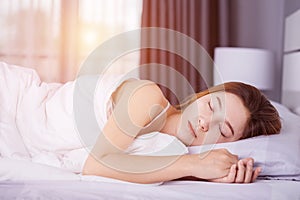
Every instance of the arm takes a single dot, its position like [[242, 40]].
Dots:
[[176, 167], [151, 169]]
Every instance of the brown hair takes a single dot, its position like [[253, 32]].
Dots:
[[263, 117]]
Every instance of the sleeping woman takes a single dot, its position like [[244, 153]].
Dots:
[[224, 113], [42, 113]]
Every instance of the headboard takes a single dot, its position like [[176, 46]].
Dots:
[[291, 63]]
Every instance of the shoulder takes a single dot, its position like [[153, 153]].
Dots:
[[143, 100], [140, 91], [145, 91]]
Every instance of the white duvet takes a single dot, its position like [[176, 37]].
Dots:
[[49, 155], [37, 131], [31, 119]]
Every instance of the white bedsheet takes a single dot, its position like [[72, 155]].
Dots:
[[175, 190], [27, 180]]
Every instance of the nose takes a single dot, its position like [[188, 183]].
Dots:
[[203, 124]]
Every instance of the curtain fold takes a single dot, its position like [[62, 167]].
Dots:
[[199, 20]]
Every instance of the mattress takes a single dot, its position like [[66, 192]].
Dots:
[[261, 189]]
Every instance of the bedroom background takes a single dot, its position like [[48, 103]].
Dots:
[[55, 36]]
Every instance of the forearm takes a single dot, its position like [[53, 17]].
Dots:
[[140, 169]]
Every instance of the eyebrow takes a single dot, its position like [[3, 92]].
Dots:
[[226, 122]]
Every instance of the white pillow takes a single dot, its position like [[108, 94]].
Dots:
[[278, 155]]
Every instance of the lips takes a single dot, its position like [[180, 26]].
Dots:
[[191, 129]]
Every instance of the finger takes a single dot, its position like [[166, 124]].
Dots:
[[245, 160], [232, 174], [241, 172], [249, 171], [256, 173]]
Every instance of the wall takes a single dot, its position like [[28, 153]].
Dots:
[[291, 6], [259, 24]]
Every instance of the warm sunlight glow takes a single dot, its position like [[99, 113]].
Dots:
[[56, 36], [89, 38]]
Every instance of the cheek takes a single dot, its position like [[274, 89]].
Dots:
[[221, 140], [207, 138]]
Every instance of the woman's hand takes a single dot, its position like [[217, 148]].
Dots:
[[241, 173], [213, 164]]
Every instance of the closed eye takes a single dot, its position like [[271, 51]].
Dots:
[[220, 129], [210, 107]]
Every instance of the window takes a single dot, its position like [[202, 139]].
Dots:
[[56, 36]]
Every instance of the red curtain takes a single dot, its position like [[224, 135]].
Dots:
[[199, 20]]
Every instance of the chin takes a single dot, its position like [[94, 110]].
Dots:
[[193, 143], [183, 140]]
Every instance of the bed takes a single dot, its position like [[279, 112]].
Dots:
[[172, 190], [278, 155]]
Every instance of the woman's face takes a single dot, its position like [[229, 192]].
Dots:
[[214, 118]]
